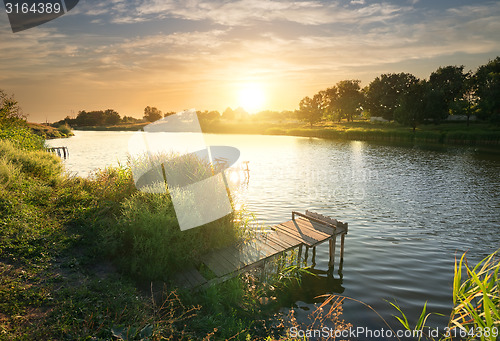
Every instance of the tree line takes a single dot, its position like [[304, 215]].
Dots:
[[111, 117], [404, 98]]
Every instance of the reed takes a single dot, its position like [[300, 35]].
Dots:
[[476, 303]]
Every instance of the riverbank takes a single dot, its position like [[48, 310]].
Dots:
[[477, 134], [449, 133], [92, 258], [49, 132]]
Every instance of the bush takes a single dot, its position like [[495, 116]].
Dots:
[[36, 163], [65, 129], [22, 137], [148, 244]]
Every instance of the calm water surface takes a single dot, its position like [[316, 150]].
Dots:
[[410, 210]]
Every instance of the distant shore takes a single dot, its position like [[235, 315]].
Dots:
[[49, 132], [479, 134]]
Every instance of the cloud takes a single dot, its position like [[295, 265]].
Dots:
[[244, 12]]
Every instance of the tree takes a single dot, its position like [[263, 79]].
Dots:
[[228, 114], [330, 97], [349, 98], [435, 105], [169, 113], [111, 117], [447, 85], [384, 93], [411, 109], [129, 119], [152, 114], [467, 105], [487, 89], [10, 112], [310, 110]]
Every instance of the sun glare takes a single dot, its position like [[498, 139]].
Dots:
[[252, 98]]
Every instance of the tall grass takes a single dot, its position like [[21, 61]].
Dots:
[[21, 137], [477, 298], [145, 238], [36, 163], [476, 303]]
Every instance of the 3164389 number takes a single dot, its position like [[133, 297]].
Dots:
[[35, 8]]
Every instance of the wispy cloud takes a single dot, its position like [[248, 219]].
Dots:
[[247, 12], [303, 43]]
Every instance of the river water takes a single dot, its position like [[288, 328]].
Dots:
[[411, 210]]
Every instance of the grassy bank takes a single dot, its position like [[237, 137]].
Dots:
[[449, 133], [94, 258], [48, 132]]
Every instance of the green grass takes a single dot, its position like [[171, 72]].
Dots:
[[79, 257], [21, 136], [446, 133]]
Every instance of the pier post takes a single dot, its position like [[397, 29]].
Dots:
[[332, 241], [342, 239], [306, 255], [313, 260], [299, 255]]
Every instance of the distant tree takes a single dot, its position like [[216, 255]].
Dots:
[[111, 117], [208, 115], [241, 114], [446, 86], [435, 105], [310, 110], [152, 114], [10, 112], [384, 93], [467, 105], [349, 99], [487, 89], [91, 118], [129, 119], [169, 113], [330, 97], [228, 114], [411, 109]]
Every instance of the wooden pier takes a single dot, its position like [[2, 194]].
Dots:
[[304, 230], [62, 152]]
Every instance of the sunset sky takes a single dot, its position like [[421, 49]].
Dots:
[[202, 54]]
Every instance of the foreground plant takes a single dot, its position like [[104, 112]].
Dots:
[[476, 303]]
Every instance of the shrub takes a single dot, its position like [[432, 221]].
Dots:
[[36, 163], [22, 137], [65, 129], [147, 242]]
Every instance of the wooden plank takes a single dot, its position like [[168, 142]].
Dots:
[[196, 277], [250, 254], [181, 281], [321, 221], [231, 255], [324, 218], [318, 227], [270, 243], [303, 227], [306, 239], [189, 278], [308, 227], [304, 230], [295, 235], [218, 264], [193, 279], [268, 251], [275, 239], [287, 238]]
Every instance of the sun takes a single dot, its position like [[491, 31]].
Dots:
[[251, 98]]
